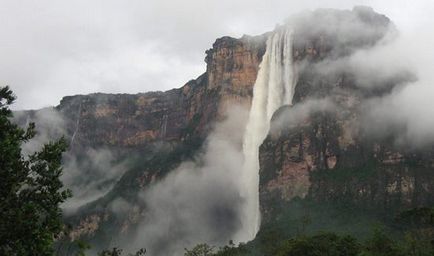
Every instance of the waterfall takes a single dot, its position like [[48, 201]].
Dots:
[[163, 128], [273, 88], [77, 126]]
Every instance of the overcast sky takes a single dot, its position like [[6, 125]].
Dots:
[[49, 49]]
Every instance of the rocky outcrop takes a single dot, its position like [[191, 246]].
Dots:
[[232, 67]]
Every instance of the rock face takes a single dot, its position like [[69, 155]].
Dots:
[[232, 67], [325, 159], [321, 153]]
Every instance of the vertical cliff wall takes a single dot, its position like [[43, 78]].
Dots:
[[322, 160]]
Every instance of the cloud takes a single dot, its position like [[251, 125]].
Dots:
[[50, 125], [89, 174], [379, 66], [405, 113], [289, 117], [408, 108]]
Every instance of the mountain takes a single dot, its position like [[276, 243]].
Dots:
[[324, 164]]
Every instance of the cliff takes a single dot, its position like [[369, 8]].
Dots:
[[325, 165]]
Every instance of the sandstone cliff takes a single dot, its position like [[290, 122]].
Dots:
[[323, 162]]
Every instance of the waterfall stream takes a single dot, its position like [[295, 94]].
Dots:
[[273, 88]]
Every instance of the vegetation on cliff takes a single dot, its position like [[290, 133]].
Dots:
[[415, 238], [31, 191]]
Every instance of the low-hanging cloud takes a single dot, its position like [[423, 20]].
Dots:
[[406, 113], [399, 67], [395, 75], [89, 175], [50, 125], [408, 108], [289, 117], [375, 67]]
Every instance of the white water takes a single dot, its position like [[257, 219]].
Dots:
[[273, 88], [77, 125]]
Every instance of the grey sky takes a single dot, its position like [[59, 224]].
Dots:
[[50, 49]]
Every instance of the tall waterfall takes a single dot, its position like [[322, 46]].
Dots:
[[273, 88]]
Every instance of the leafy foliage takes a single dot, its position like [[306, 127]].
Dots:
[[418, 225], [118, 252], [200, 250], [30, 188], [322, 244], [232, 250], [380, 243]]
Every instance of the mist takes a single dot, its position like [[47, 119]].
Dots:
[[410, 105], [89, 175], [289, 117], [198, 202], [399, 62], [50, 126], [398, 68]]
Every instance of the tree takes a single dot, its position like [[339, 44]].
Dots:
[[118, 252], [30, 188], [232, 250], [200, 250], [113, 252], [380, 244], [322, 244], [418, 227]]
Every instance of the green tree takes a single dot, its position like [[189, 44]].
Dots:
[[200, 250], [30, 188], [118, 252], [418, 226], [232, 250], [113, 252], [381, 245], [328, 244]]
